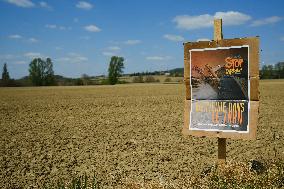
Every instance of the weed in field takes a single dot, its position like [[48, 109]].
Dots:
[[81, 182]]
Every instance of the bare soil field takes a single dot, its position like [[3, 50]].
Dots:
[[122, 134]]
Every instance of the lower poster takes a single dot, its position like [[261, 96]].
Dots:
[[220, 115]]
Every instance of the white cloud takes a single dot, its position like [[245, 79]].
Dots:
[[76, 20], [85, 37], [33, 55], [80, 59], [203, 39], [193, 22], [43, 4], [231, 18], [114, 48], [58, 48], [20, 62], [132, 42], [112, 53], [92, 28], [84, 5], [63, 59], [51, 26], [73, 54], [21, 3], [206, 20], [173, 37], [64, 28], [108, 53], [32, 40], [265, 21], [7, 56], [73, 58], [158, 58], [15, 36]]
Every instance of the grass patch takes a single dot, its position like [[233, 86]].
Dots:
[[81, 182], [237, 175], [242, 175]]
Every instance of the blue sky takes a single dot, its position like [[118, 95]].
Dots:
[[81, 36]]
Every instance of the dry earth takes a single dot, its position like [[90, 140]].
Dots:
[[123, 134]]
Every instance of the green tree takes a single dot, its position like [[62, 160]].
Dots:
[[49, 73], [266, 72], [5, 75], [41, 72], [279, 68], [115, 69], [85, 79], [35, 71]]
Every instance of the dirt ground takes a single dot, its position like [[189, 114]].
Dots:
[[123, 133]]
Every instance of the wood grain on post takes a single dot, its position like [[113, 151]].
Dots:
[[187, 73], [218, 35], [221, 150]]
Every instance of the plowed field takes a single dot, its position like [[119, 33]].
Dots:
[[122, 133]]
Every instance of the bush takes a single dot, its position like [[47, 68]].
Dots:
[[104, 82], [168, 79], [150, 79], [78, 82], [138, 79], [10, 83], [122, 82], [243, 175]]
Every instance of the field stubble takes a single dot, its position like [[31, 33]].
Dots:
[[123, 134]]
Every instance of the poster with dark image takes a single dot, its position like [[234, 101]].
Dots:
[[220, 89]]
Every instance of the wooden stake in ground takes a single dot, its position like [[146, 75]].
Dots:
[[218, 35]]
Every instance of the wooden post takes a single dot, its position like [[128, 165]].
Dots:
[[221, 150], [218, 35]]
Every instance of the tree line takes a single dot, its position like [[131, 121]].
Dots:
[[272, 71], [177, 72], [41, 74]]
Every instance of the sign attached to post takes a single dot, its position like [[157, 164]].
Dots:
[[222, 95], [219, 84]]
